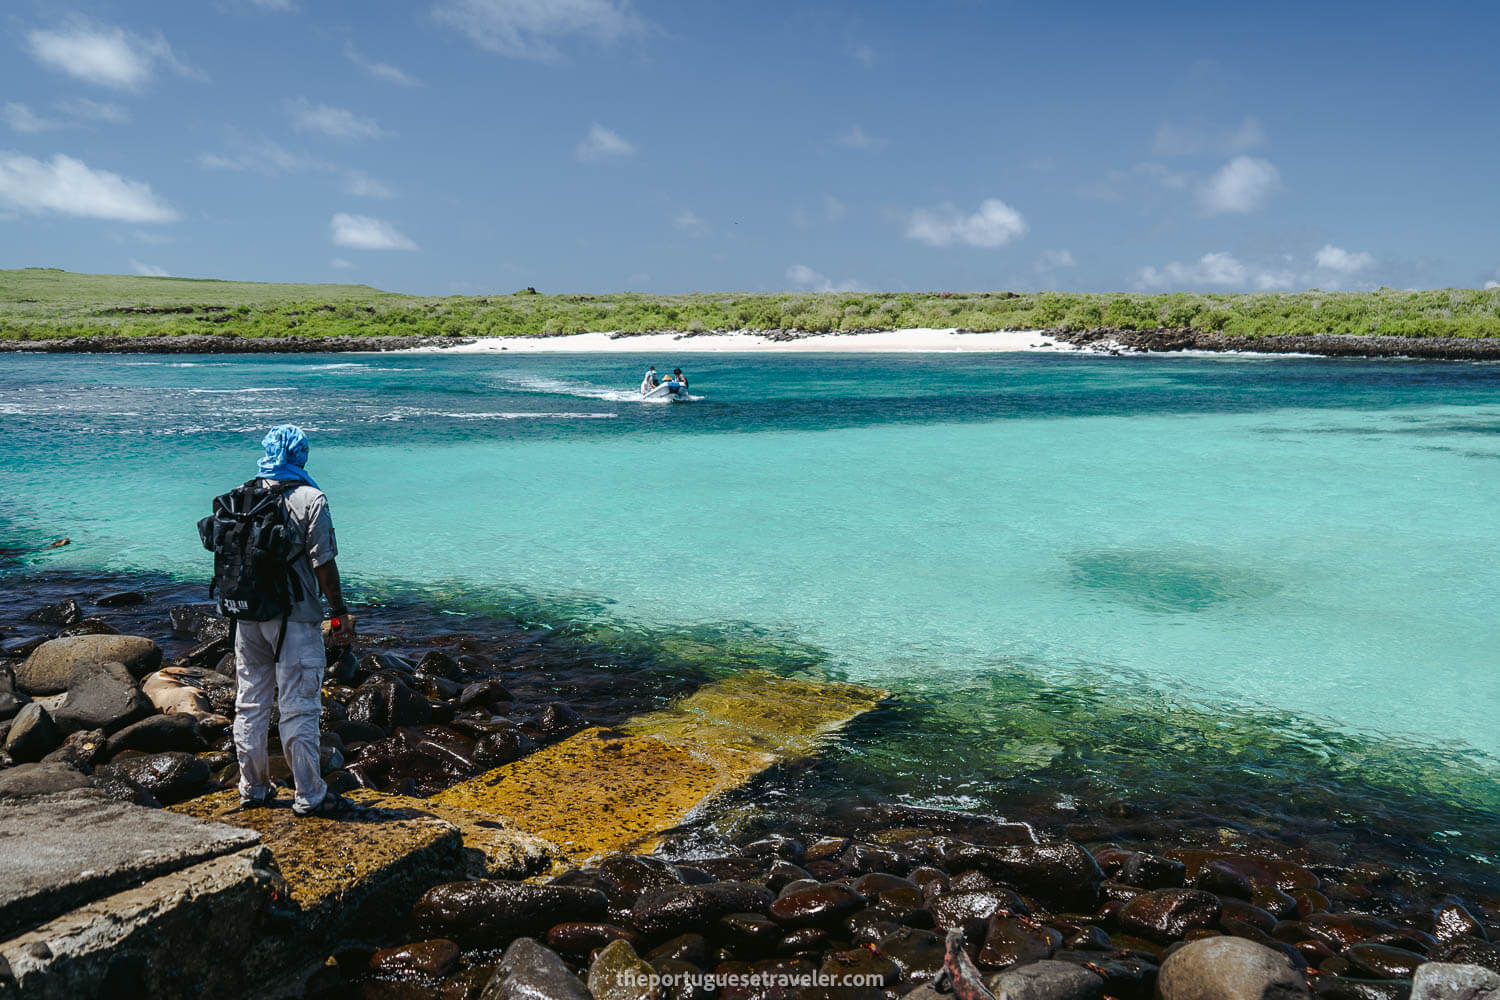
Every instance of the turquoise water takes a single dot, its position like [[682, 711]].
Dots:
[[1304, 539]]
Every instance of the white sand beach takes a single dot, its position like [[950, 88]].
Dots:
[[894, 341]]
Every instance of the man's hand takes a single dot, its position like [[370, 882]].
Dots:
[[341, 631]]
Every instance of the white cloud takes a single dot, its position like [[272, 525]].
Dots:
[[148, 270], [687, 221], [1052, 260], [1241, 185], [362, 185], [601, 143], [530, 29], [855, 138], [261, 156], [70, 187], [865, 54], [1491, 284], [1332, 258], [362, 232], [21, 118], [104, 55], [384, 71], [994, 225], [805, 277], [1210, 269], [1174, 140], [341, 264], [88, 110], [336, 122], [275, 4], [1276, 281]]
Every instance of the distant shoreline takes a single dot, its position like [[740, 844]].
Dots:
[[1102, 340]]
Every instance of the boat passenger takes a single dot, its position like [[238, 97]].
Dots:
[[651, 381], [680, 379]]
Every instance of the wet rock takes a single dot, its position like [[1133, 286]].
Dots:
[[968, 911], [486, 694], [918, 954], [580, 939], [1150, 871], [1125, 975], [1470, 951], [1011, 941], [50, 666], [749, 933], [22, 646], [1060, 874], [39, 779], [808, 941], [120, 599], [675, 909], [1047, 980], [88, 626], [529, 971], [818, 907], [870, 926], [824, 848], [101, 696], [1455, 921], [170, 777], [115, 785], [439, 664], [1228, 968], [1089, 938], [1382, 961], [1167, 914], [618, 973], [430, 960], [1340, 988], [80, 751], [861, 962], [62, 613], [177, 731], [559, 719], [206, 655], [1310, 901], [777, 846], [387, 702], [623, 877], [485, 914], [690, 948], [33, 735], [784, 873], [1251, 914], [1448, 981]]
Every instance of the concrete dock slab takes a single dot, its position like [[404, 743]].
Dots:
[[58, 852]]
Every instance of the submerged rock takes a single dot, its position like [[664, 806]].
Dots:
[[62, 613]]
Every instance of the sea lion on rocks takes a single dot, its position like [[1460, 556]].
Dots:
[[203, 694]]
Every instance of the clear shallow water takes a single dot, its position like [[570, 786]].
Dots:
[[1298, 539]]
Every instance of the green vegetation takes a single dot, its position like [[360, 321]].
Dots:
[[40, 303]]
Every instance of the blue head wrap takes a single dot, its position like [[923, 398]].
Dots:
[[286, 454]]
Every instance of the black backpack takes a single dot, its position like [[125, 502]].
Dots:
[[254, 547]]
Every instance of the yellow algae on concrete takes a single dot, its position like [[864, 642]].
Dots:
[[340, 871], [603, 790]]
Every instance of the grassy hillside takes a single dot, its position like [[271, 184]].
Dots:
[[40, 303]]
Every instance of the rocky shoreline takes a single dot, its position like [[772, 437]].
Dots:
[[1104, 340], [129, 692]]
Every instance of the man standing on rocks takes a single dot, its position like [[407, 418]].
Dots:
[[282, 657]]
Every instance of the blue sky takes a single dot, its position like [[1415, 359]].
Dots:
[[601, 145]]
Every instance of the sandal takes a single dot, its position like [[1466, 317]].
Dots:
[[250, 805], [333, 806]]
